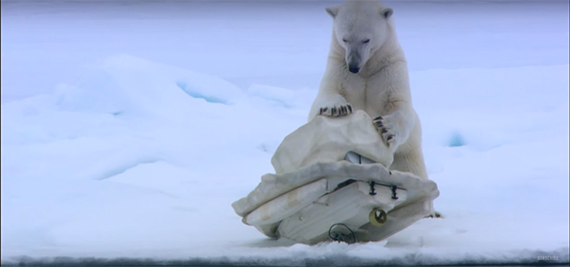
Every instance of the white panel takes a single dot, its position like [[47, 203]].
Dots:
[[287, 204]]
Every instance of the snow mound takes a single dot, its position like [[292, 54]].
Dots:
[[125, 84]]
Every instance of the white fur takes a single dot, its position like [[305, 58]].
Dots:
[[381, 85]]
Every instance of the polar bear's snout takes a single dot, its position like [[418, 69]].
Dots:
[[353, 68], [353, 60]]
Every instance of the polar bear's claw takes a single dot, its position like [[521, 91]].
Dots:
[[435, 214], [336, 111]]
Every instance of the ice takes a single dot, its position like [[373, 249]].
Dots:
[[128, 130]]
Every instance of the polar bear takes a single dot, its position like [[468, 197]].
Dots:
[[367, 70]]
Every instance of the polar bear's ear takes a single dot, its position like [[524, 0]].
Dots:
[[332, 10], [387, 12]]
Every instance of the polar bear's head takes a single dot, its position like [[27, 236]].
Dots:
[[361, 28]]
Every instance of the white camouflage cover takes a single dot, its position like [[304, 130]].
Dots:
[[317, 150]]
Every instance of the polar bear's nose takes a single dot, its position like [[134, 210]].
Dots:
[[353, 68]]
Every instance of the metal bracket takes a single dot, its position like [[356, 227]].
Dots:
[[372, 183], [393, 187]]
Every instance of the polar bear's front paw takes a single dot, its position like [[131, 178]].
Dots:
[[336, 111], [384, 129]]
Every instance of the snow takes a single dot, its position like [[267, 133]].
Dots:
[[129, 129]]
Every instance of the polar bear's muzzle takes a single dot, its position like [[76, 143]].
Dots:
[[353, 60], [353, 68]]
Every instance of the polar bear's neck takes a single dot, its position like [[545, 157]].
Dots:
[[390, 53]]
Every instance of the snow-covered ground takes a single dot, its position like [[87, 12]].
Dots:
[[128, 128]]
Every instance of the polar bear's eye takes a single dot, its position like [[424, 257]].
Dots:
[[366, 41], [344, 40]]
